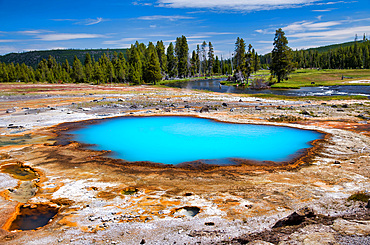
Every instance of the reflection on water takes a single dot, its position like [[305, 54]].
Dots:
[[214, 85]]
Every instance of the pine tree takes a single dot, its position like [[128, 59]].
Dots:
[[193, 63], [135, 68], [162, 57], [281, 64], [249, 63], [211, 58], [239, 58], [120, 68], [171, 61], [77, 71], [203, 58], [256, 62], [217, 66], [198, 60], [181, 50], [153, 69], [97, 73]]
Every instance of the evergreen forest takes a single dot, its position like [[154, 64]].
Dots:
[[149, 64]]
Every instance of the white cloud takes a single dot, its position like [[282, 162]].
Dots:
[[322, 10], [310, 26], [238, 5], [33, 32], [123, 41], [8, 40], [86, 22], [89, 22], [332, 35], [67, 36], [197, 37], [166, 17], [220, 33]]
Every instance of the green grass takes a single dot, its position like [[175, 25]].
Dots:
[[189, 79], [324, 98], [304, 78]]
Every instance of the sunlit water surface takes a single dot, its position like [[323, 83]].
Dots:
[[174, 139]]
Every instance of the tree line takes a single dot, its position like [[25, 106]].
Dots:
[[355, 56], [141, 64]]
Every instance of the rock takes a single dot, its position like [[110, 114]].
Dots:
[[295, 218], [86, 109], [142, 241], [133, 107], [10, 110], [259, 242], [257, 108], [232, 109], [240, 100], [224, 104], [187, 106], [353, 227], [336, 162], [304, 112], [209, 223], [204, 109], [368, 204]]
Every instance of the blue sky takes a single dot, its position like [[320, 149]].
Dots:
[[59, 24]]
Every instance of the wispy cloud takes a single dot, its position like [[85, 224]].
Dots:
[[166, 17], [142, 3], [197, 37], [310, 26], [67, 36], [124, 41], [33, 32], [220, 33], [85, 22], [333, 35], [323, 10], [238, 5], [8, 40]]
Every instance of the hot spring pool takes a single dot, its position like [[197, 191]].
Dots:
[[178, 139]]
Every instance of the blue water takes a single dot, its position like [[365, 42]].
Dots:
[[173, 140]]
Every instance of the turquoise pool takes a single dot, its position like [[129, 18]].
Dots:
[[178, 139]]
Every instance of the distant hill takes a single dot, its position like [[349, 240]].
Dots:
[[32, 58], [333, 46]]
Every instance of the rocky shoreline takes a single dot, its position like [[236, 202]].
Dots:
[[103, 201]]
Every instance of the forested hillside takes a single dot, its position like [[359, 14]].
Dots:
[[350, 55], [33, 58], [139, 64]]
